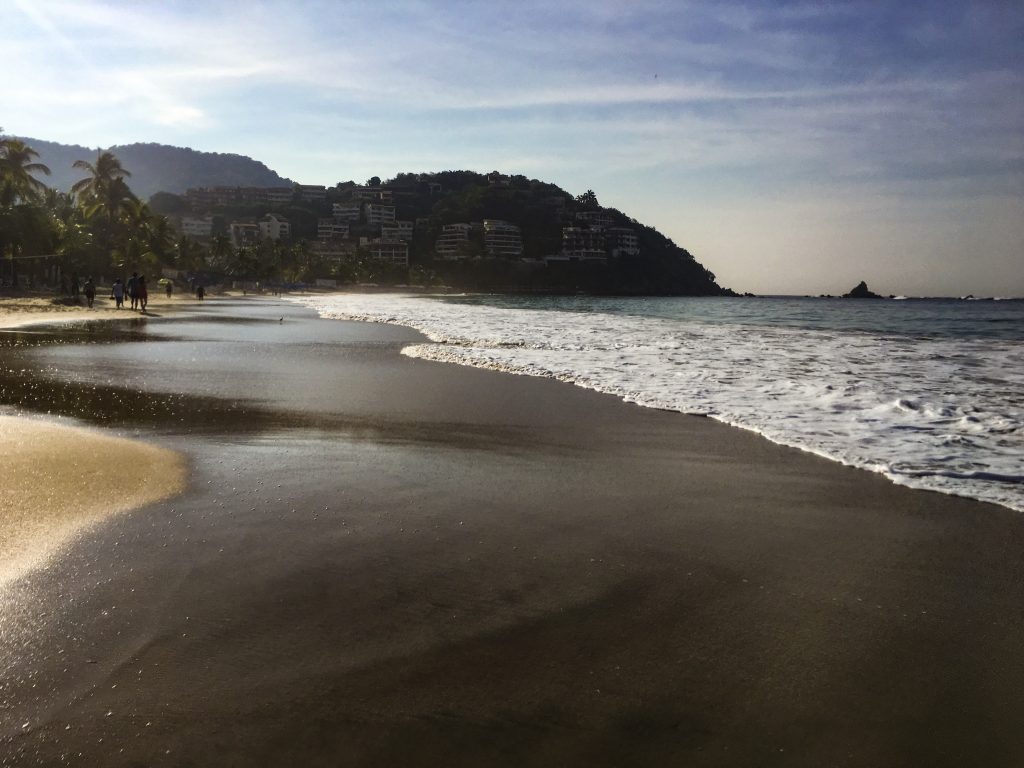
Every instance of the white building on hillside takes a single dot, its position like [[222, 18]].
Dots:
[[347, 211], [274, 227], [197, 226], [331, 229], [377, 214]]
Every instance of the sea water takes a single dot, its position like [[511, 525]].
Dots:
[[928, 392]]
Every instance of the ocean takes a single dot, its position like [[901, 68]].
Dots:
[[928, 392]]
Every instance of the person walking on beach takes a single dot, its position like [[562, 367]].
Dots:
[[200, 291], [132, 286], [117, 293], [170, 288], [142, 292], [89, 289]]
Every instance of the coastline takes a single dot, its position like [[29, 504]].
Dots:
[[860, 398], [383, 560]]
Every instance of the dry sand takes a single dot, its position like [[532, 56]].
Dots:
[[16, 312], [56, 480]]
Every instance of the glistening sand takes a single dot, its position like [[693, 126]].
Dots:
[[55, 480]]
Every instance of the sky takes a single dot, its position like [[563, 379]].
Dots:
[[791, 147]]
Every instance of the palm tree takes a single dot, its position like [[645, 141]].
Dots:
[[17, 184], [135, 234], [101, 176], [72, 231], [104, 196], [22, 221], [221, 254]]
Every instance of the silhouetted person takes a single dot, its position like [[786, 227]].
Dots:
[[170, 288], [143, 292], [200, 291], [89, 289], [117, 293], [133, 292]]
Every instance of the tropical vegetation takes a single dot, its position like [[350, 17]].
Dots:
[[100, 228]]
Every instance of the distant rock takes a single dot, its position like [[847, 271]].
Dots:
[[861, 292]]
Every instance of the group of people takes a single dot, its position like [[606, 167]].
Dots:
[[135, 289]]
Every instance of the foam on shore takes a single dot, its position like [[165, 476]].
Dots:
[[57, 480]]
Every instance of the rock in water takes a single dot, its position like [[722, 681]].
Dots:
[[861, 292]]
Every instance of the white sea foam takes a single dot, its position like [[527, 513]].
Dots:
[[943, 414]]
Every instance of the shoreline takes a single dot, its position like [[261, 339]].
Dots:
[[382, 560], [849, 436]]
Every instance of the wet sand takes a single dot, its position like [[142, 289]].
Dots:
[[388, 561]]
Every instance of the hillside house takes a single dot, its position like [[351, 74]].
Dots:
[[502, 240]]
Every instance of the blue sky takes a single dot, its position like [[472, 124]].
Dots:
[[791, 147]]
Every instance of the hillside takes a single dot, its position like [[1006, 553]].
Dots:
[[157, 167], [463, 229]]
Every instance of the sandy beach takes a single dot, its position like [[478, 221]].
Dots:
[[58, 479], [379, 560]]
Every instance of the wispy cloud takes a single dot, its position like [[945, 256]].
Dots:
[[819, 99]]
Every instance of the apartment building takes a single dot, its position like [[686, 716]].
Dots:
[[594, 219], [334, 251], [244, 233], [197, 226], [274, 227], [378, 214], [311, 193], [273, 195], [621, 241], [331, 229], [502, 240], [580, 244], [373, 194], [451, 240], [391, 251], [397, 230], [204, 198], [347, 211]]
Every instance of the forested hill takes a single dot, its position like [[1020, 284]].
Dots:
[[542, 212], [157, 167]]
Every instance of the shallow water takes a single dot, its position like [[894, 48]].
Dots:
[[928, 392]]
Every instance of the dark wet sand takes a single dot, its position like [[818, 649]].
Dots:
[[387, 561]]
